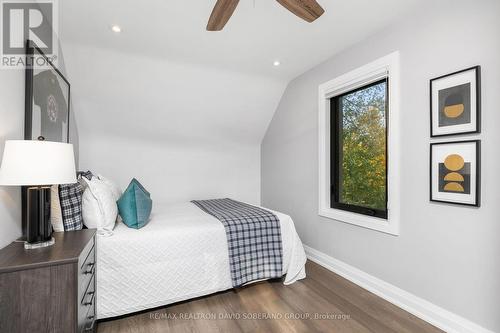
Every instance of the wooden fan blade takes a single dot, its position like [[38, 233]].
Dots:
[[221, 13], [308, 10]]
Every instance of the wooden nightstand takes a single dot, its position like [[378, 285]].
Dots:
[[50, 289]]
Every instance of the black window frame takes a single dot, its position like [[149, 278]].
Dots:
[[335, 144]]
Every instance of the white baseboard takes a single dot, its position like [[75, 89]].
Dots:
[[417, 306]]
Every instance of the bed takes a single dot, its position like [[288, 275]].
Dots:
[[180, 254]]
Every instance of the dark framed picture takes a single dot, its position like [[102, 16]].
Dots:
[[456, 103], [47, 101], [455, 170]]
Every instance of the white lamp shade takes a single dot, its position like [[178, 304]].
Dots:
[[27, 162]]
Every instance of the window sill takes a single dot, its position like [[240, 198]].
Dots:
[[369, 222]]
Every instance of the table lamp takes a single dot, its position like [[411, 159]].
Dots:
[[38, 165]]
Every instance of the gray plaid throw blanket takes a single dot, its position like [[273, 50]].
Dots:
[[253, 237]]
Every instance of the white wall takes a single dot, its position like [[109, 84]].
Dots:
[[176, 172], [11, 127], [185, 131], [445, 254]]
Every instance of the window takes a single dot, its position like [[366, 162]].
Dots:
[[359, 150], [359, 146]]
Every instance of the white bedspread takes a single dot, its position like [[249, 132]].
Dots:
[[180, 254]]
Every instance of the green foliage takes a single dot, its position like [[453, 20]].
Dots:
[[363, 172]]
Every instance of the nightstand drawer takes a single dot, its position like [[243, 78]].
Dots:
[[86, 304], [90, 326], [89, 322], [87, 269], [89, 259], [88, 297], [87, 256]]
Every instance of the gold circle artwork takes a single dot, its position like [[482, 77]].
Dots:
[[454, 162], [454, 177], [454, 187], [454, 111]]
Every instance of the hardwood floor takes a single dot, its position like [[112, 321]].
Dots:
[[323, 302]]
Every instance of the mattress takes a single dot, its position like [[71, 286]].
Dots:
[[180, 254]]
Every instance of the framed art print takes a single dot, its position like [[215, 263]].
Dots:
[[455, 172], [456, 103], [47, 104]]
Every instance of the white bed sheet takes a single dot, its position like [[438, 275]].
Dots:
[[180, 254]]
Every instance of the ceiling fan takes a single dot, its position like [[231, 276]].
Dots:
[[308, 10]]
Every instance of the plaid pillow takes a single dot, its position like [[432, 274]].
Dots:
[[87, 174], [70, 197]]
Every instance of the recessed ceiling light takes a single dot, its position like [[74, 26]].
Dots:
[[276, 63], [116, 28]]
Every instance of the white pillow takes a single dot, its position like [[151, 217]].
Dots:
[[56, 218], [99, 208], [117, 193]]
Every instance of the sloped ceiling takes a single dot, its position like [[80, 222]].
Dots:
[[165, 77], [149, 98]]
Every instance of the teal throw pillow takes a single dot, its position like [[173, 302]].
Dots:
[[135, 205]]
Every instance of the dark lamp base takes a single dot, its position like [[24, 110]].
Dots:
[[39, 228]]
